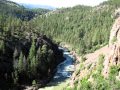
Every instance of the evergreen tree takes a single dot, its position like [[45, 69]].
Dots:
[[15, 78], [2, 46], [33, 66], [20, 63], [15, 53], [39, 57], [32, 50], [44, 50], [31, 56]]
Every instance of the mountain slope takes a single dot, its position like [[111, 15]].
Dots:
[[84, 28], [100, 70], [27, 57], [9, 8]]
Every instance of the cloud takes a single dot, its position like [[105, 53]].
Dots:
[[61, 3]]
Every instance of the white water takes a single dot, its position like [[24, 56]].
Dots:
[[64, 70]]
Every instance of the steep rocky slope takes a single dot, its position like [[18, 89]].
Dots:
[[114, 45], [100, 69]]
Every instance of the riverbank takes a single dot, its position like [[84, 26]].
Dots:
[[63, 74], [72, 52], [90, 62], [60, 84]]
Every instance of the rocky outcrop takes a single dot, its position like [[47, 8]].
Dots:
[[114, 45]]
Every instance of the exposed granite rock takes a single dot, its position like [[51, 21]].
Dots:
[[114, 45]]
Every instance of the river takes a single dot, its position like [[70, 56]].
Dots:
[[64, 71]]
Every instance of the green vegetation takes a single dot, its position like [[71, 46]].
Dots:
[[98, 81], [84, 28], [113, 82], [34, 83], [84, 84], [26, 56], [83, 58], [114, 39], [29, 55]]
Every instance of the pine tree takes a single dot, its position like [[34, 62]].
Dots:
[[44, 50], [24, 63], [31, 55], [20, 63], [34, 82], [14, 59], [15, 53], [15, 77], [38, 57], [2, 46], [33, 66], [50, 56], [32, 50]]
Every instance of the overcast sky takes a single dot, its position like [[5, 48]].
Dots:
[[61, 3]]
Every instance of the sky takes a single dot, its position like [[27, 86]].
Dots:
[[60, 3]]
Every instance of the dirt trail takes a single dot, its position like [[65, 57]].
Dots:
[[92, 57]]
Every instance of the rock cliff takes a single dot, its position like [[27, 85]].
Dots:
[[114, 45]]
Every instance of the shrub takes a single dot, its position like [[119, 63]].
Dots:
[[114, 84], [84, 85], [83, 58], [114, 39], [34, 82]]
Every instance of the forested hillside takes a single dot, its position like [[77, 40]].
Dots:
[[100, 70], [84, 28], [29, 53], [26, 56]]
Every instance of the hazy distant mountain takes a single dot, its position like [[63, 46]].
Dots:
[[37, 6]]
